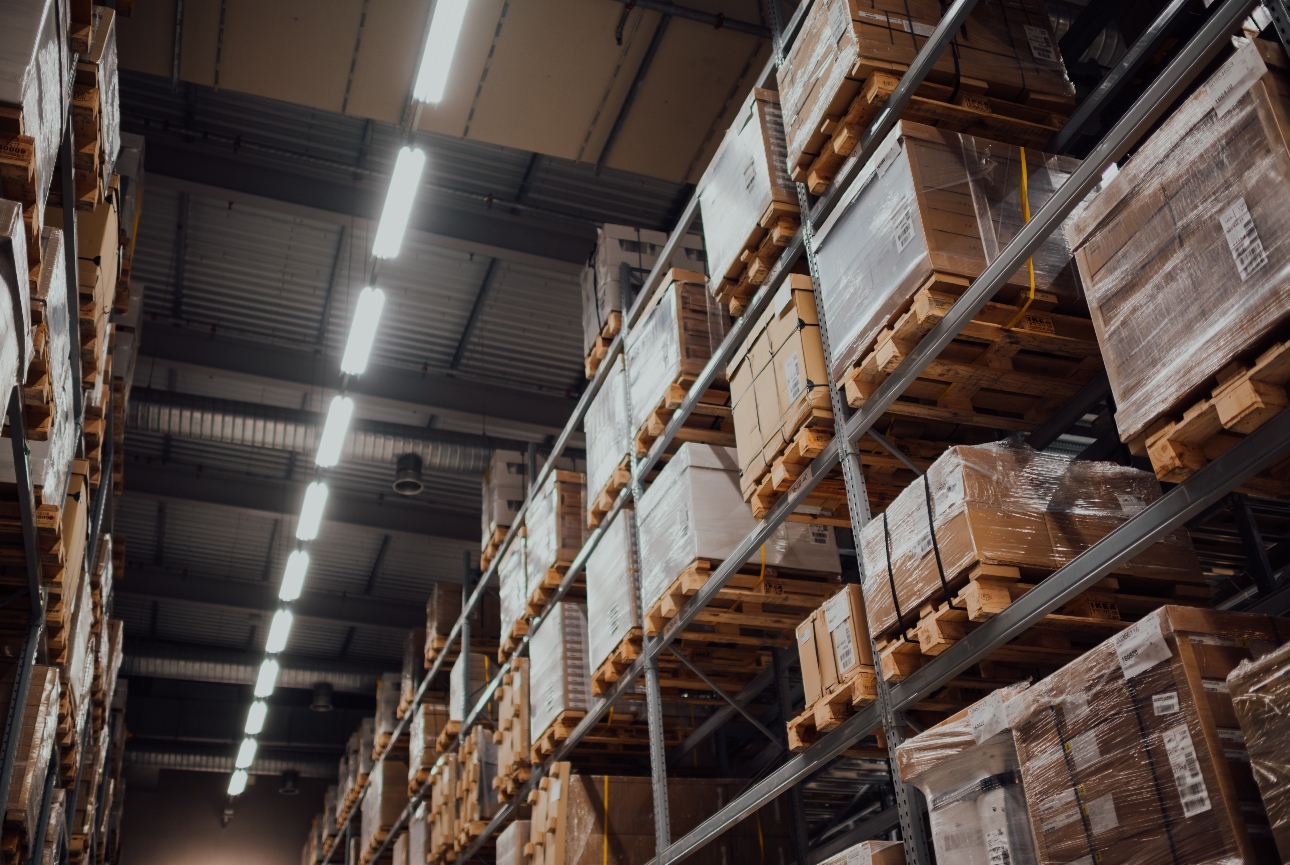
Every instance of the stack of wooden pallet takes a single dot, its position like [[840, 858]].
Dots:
[[38, 728], [443, 812], [96, 120], [478, 802], [512, 737]]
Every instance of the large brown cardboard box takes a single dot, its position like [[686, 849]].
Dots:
[[1260, 691]]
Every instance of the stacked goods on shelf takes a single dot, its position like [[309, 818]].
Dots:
[[982, 528], [429, 722], [355, 769], [613, 603], [554, 531], [388, 689], [16, 344], [47, 387], [559, 685], [1134, 753], [400, 849], [511, 842], [969, 772], [467, 679], [34, 88], [36, 735], [953, 202], [837, 666], [513, 597], [1260, 691], [512, 736], [387, 795], [578, 817], [418, 835], [96, 115], [609, 443], [504, 487], [443, 811], [76, 674], [414, 648], [749, 203], [331, 801], [1199, 211], [680, 329], [602, 287], [1001, 77], [54, 830], [690, 520], [443, 608], [477, 800], [311, 853], [872, 853]]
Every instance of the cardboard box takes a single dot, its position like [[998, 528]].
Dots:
[[428, 721], [511, 841], [613, 590], [38, 730], [560, 677], [387, 796], [833, 644], [470, 673], [555, 525], [808, 652], [606, 427], [1260, 692]]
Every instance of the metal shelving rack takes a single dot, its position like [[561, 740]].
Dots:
[[1178, 505]]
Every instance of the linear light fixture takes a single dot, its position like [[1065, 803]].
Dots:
[[267, 679], [237, 783], [246, 753], [441, 44], [279, 630], [398, 202], [362, 331], [311, 511], [255, 717], [293, 577], [339, 414]]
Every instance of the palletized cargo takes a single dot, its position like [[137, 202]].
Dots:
[[1260, 691]]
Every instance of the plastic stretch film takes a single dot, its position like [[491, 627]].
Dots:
[[1260, 690], [613, 589], [677, 335], [1005, 504], [467, 678], [745, 176], [1185, 255], [103, 60], [560, 679], [418, 836], [606, 427], [968, 771], [1006, 46], [694, 510], [443, 808], [513, 591], [510, 843], [38, 731], [387, 703], [1132, 755], [428, 721], [347, 771], [555, 526], [15, 310], [477, 764], [948, 204], [870, 853], [387, 795], [366, 745]]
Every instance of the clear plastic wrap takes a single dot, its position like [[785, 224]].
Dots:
[[678, 333], [694, 510], [54, 829], [428, 721], [1185, 256], [51, 450], [746, 174], [951, 203], [80, 655], [1132, 755], [513, 585], [103, 59], [38, 731], [468, 676], [968, 770], [503, 491], [613, 589], [418, 836], [1005, 504], [399, 850], [560, 679], [1260, 690], [1006, 45], [555, 525], [609, 439], [366, 745], [510, 843], [477, 762], [387, 704], [871, 853], [15, 318], [386, 797]]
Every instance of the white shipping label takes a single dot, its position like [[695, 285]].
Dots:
[[793, 376], [1141, 646], [1227, 734], [1083, 749], [1166, 703], [986, 717], [904, 229], [1236, 755], [1242, 239], [997, 849], [803, 635], [553, 792], [843, 650], [1215, 686], [818, 534], [1101, 814], [1226, 86], [836, 611], [1061, 800], [1130, 504], [1055, 823], [1186, 769], [839, 19], [1041, 44]]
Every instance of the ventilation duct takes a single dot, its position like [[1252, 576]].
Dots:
[[244, 673], [224, 764], [407, 475]]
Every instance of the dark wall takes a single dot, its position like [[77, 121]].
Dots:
[[173, 818]]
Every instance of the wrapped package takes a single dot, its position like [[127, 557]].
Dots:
[[387, 796], [1260, 690], [330, 809], [79, 671], [510, 843], [778, 381], [16, 348], [443, 808], [513, 593], [554, 527], [512, 737], [35, 86], [399, 849], [602, 289], [609, 441], [870, 853], [428, 721], [414, 650], [504, 489], [560, 678], [1006, 505], [418, 832], [743, 194], [953, 203], [613, 589], [36, 736], [388, 688], [678, 333], [98, 247], [347, 771], [834, 647], [477, 764], [470, 673], [693, 510], [1006, 49], [366, 746], [1185, 256], [443, 608], [54, 829], [968, 770], [1132, 755], [97, 70]]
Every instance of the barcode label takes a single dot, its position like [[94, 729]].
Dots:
[[1141, 647], [1083, 749], [1186, 769], [843, 649], [1226, 86], [986, 717], [1165, 704], [818, 535], [793, 376], [1227, 734], [1242, 239], [1101, 814], [837, 611], [904, 230], [1041, 44], [1215, 686], [1130, 504]]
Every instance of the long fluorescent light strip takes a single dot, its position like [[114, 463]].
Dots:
[[362, 331], [311, 511], [441, 44], [279, 631], [255, 717], [293, 576], [404, 182], [267, 679], [336, 427], [246, 753], [237, 783]]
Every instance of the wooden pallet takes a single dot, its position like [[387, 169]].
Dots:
[[545, 588], [489, 551], [709, 423], [990, 376], [605, 736], [511, 641], [443, 742], [604, 500], [775, 227], [1247, 396], [1058, 638], [600, 348], [613, 667], [369, 853], [512, 734], [828, 712]]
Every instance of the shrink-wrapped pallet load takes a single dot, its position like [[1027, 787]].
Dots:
[[1133, 753], [870, 853], [96, 102], [609, 441], [37, 736], [555, 527], [418, 836], [613, 590], [388, 688], [467, 678], [15, 312], [512, 736], [443, 608], [968, 771], [504, 488], [513, 596], [476, 796], [511, 841], [331, 802], [387, 795], [428, 721], [1185, 258], [1260, 690], [559, 675]]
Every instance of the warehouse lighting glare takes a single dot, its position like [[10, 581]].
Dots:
[[398, 202], [441, 43], [267, 679], [255, 717], [293, 578], [245, 754], [237, 784], [339, 414], [311, 511], [278, 632], [362, 332]]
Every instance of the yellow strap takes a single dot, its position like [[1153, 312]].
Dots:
[[760, 578], [1030, 262], [604, 856]]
